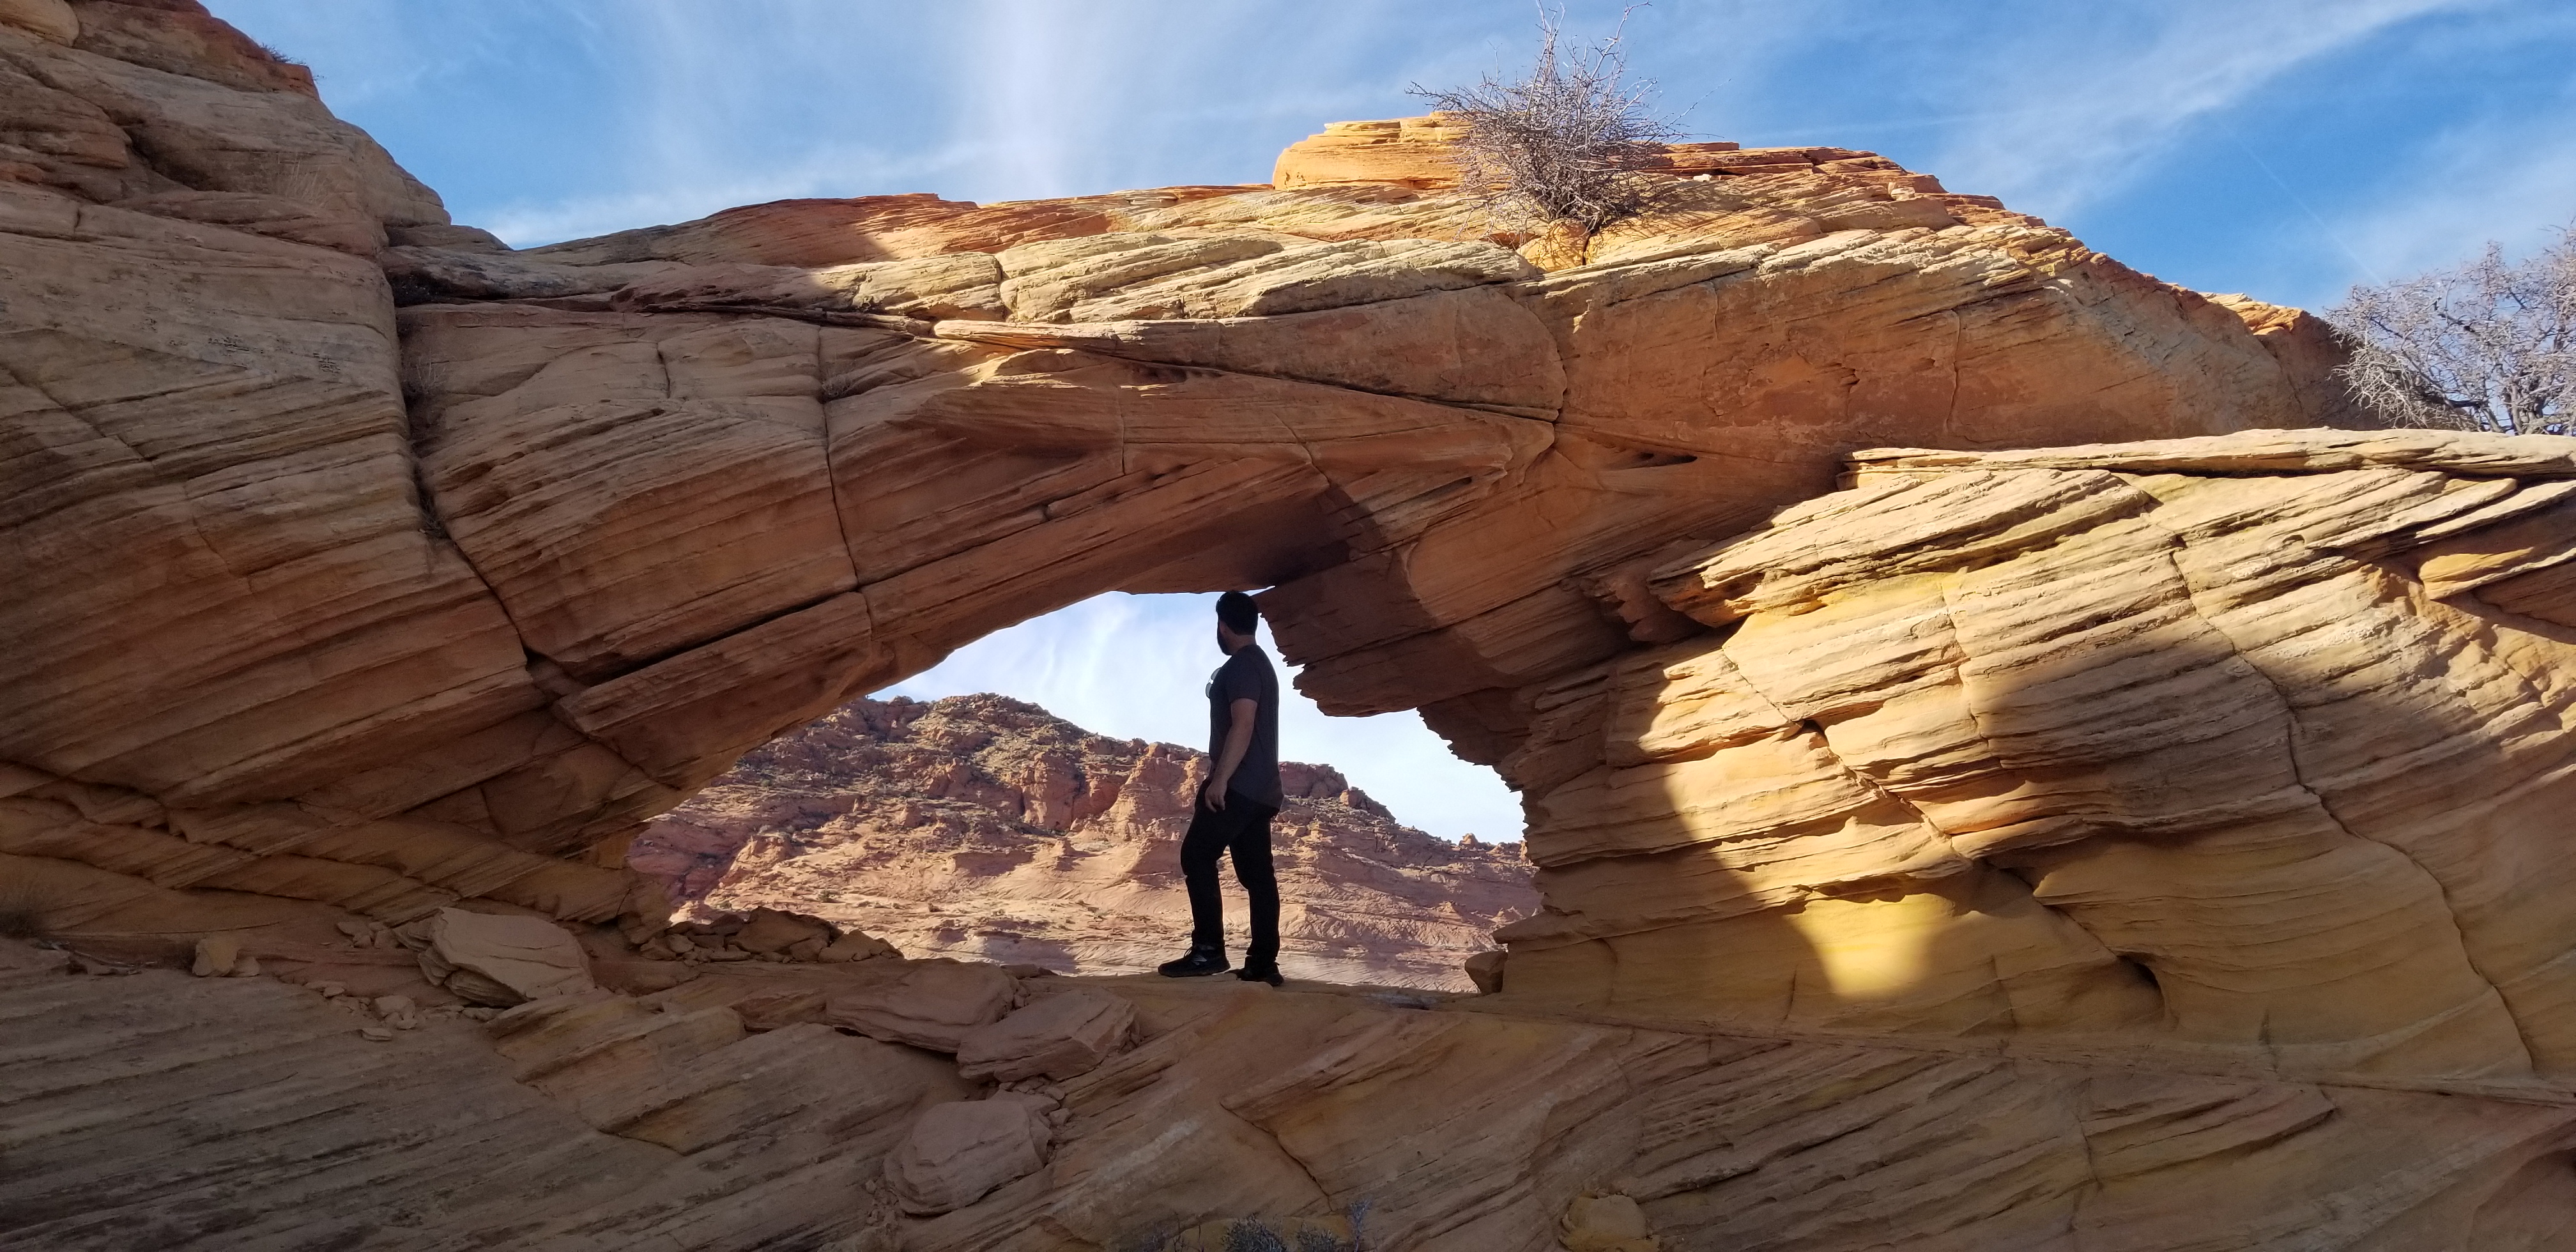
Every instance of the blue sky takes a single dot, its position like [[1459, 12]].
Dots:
[[2285, 148]]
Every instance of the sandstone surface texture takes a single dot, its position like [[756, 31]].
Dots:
[[982, 827], [2000, 773], [603, 1122]]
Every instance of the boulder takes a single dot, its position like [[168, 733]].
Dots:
[[1608, 1223], [501, 960], [1055, 1036], [961, 1151], [399, 1012], [48, 19], [216, 956], [855, 946], [1485, 969], [771, 930], [932, 1005]]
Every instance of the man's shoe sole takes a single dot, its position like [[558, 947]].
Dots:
[[1168, 972]]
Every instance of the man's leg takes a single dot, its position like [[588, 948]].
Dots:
[[1200, 849], [1250, 846]]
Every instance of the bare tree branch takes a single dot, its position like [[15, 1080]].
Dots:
[[2488, 346], [1565, 141]]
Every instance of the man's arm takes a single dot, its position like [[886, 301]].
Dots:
[[1238, 740]]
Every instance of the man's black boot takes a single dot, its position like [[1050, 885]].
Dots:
[[1200, 963], [1267, 972]]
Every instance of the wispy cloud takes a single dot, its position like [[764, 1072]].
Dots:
[[1036, 103], [2081, 111], [1078, 99], [2512, 182], [660, 110]]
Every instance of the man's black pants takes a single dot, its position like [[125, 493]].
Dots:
[[1242, 828]]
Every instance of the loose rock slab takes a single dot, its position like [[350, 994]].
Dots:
[[960, 1152], [501, 961], [1058, 1036], [931, 1006]]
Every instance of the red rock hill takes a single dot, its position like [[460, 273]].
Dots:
[[984, 826]]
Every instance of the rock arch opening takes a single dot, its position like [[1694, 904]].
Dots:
[[979, 811], [486, 574], [1133, 666]]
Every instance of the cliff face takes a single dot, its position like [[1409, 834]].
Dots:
[[982, 827]]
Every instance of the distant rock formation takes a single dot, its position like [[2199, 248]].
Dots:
[[981, 826]]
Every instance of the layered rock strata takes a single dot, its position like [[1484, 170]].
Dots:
[[605, 1122], [981, 826], [330, 606], [326, 604], [2252, 743]]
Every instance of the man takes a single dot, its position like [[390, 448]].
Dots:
[[1234, 809]]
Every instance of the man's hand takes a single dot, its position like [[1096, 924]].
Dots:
[[1238, 737]]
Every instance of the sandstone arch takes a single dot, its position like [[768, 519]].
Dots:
[[594, 542], [375, 579]]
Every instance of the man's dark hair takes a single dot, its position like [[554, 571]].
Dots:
[[1238, 612]]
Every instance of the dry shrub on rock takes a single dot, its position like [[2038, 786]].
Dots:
[[1564, 142], [2488, 346]]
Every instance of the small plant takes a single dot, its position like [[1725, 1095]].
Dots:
[[2488, 346], [1564, 142]]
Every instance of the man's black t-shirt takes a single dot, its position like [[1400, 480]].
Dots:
[[1247, 675]]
